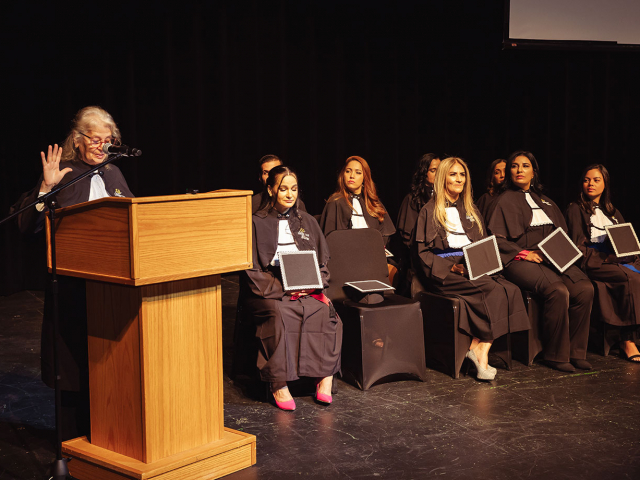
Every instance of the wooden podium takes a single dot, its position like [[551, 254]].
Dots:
[[154, 314]]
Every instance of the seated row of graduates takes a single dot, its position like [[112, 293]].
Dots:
[[300, 334]]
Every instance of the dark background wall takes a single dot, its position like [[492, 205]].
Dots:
[[206, 88]]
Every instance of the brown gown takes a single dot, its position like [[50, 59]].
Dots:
[[337, 216], [619, 293], [567, 296], [297, 338], [490, 306]]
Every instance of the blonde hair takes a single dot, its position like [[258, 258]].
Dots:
[[85, 121], [439, 193]]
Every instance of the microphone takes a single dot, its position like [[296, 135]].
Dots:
[[110, 149]]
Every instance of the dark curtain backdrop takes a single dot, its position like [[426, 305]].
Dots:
[[206, 88]]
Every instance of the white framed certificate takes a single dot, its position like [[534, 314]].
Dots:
[[300, 270], [624, 239], [560, 250], [482, 257]]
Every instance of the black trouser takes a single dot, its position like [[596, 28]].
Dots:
[[567, 307]]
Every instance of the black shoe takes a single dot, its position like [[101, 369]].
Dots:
[[624, 356], [561, 366], [581, 364]]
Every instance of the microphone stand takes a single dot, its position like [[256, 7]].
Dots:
[[60, 470]]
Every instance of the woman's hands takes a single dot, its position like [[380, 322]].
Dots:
[[51, 168], [459, 269], [534, 256]]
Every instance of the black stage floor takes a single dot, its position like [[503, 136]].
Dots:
[[531, 423]]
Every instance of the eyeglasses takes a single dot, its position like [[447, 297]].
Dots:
[[94, 142]]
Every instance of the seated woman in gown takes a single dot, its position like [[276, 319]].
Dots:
[[91, 128], [300, 334], [355, 203], [587, 218], [495, 179], [490, 306], [522, 217], [420, 192]]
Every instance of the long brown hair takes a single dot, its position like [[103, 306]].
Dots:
[[372, 203], [605, 199], [440, 187], [492, 189]]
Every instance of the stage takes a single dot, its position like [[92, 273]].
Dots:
[[531, 422]]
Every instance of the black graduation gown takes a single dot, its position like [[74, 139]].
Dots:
[[401, 242], [257, 199], [297, 338], [337, 216], [567, 297], [72, 342], [407, 218], [485, 204], [72, 338], [619, 292], [490, 306]]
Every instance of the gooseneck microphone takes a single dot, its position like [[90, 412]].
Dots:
[[110, 149]]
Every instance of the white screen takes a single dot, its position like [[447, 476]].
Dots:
[[591, 20]]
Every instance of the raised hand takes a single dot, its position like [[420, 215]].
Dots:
[[51, 168]]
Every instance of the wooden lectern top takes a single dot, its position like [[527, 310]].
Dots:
[[146, 240]]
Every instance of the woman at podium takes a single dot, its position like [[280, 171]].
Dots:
[[522, 217], [490, 306], [355, 203], [619, 294], [299, 333], [91, 128]]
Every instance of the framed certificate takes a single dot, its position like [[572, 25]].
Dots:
[[482, 257], [370, 286], [300, 270], [559, 249], [624, 239]]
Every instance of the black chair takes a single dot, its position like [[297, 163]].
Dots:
[[445, 344], [380, 339]]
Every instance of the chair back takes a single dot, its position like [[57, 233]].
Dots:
[[355, 255]]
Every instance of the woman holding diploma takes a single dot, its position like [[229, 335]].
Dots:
[[489, 306], [587, 218], [300, 334], [523, 217]]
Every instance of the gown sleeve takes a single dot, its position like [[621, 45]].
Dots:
[[262, 283], [433, 266], [578, 232], [498, 225], [328, 219]]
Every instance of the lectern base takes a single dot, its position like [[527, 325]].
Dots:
[[235, 451]]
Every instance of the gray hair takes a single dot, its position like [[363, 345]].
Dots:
[[86, 120]]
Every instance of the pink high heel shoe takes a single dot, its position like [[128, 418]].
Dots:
[[322, 398], [288, 406]]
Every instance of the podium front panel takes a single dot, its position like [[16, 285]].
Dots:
[[155, 366], [187, 238], [93, 241]]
